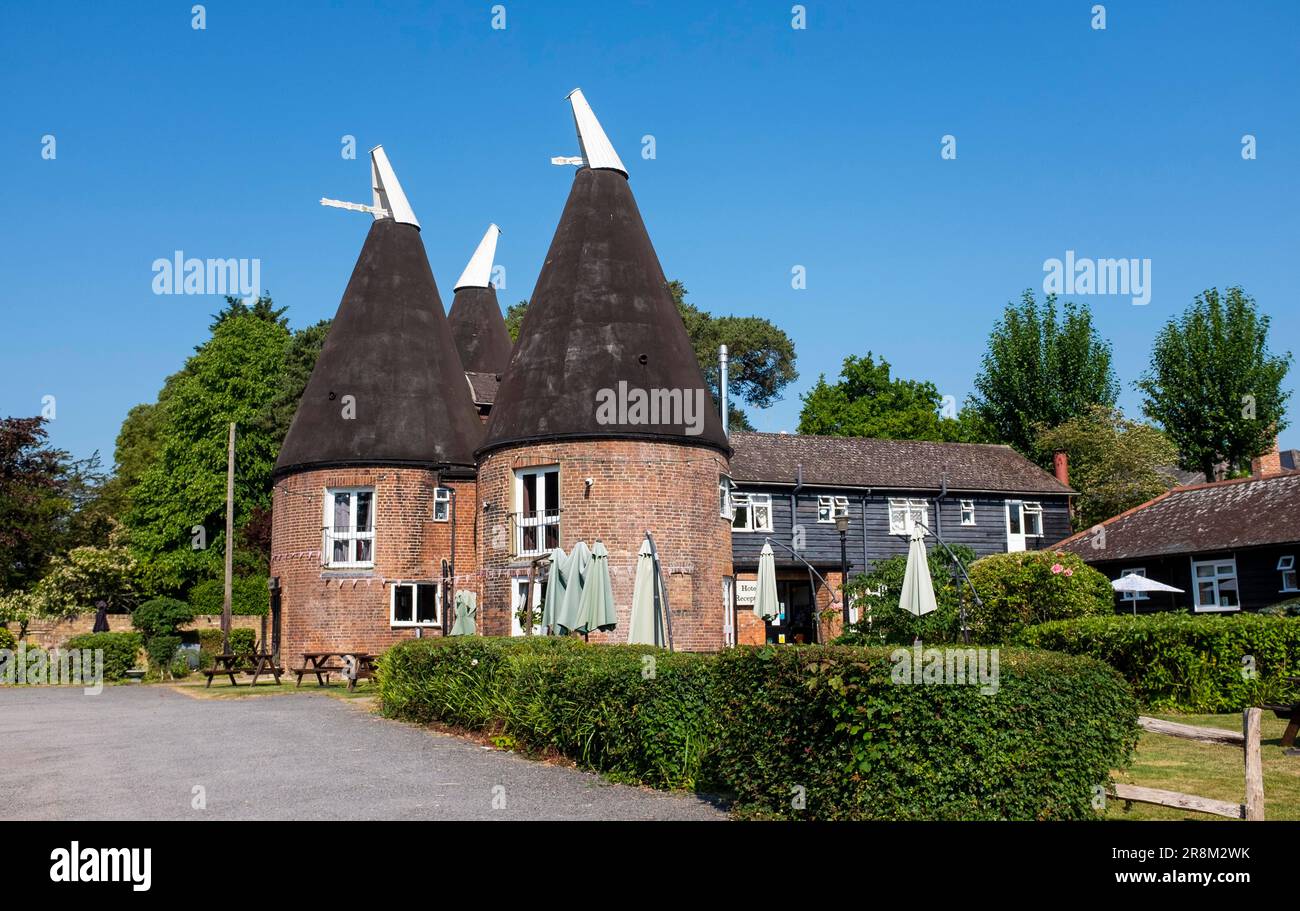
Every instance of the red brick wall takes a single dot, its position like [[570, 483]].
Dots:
[[326, 609], [670, 490], [754, 632]]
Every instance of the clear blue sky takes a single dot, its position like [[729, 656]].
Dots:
[[775, 147]]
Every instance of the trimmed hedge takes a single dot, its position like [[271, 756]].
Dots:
[[1036, 586], [120, 650], [241, 643], [761, 723], [249, 596], [1185, 662]]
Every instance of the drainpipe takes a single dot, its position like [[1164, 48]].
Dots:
[[722, 388]]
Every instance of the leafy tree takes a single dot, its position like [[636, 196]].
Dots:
[[868, 402], [85, 575], [299, 360], [262, 308], [1214, 385], [1042, 367], [515, 319], [1115, 463], [233, 377], [876, 595], [34, 504]]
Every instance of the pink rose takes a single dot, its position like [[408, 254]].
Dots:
[[1056, 568], [1069, 572]]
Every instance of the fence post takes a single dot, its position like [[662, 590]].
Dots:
[[1254, 765]]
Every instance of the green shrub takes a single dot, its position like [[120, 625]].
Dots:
[[241, 643], [249, 596], [162, 651], [1030, 587], [758, 724], [877, 593], [180, 668], [1185, 662], [120, 650], [161, 617], [7, 639], [1288, 608]]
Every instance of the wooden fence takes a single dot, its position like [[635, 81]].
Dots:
[[1248, 739]]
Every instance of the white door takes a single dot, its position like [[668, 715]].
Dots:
[[728, 611], [1015, 526], [519, 591]]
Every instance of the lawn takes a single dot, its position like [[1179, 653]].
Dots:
[[1210, 770], [195, 685]]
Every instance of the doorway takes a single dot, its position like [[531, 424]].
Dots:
[[799, 615]]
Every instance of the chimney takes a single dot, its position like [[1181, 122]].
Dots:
[[1267, 465], [1061, 466]]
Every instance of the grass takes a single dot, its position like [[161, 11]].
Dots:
[[1210, 770], [196, 685]]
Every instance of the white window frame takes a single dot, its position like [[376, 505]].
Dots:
[[749, 502], [1217, 607], [1028, 509], [518, 591], [830, 508], [539, 519], [1286, 566], [442, 498], [904, 512], [330, 536], [1134, 596], [725, 507], [414, 585], [967, 512]]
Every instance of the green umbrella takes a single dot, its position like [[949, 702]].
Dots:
[[766, 606], [465, 609], [918, 588], [574, 580], [647, 626], [556, 579], [596, 605]]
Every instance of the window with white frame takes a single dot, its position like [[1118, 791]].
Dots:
[[1286, 566], [831, 508], [1033, 513], [441, 504], [415, 604], [724, 496], [1134, 596], [967, 512], [753, 511], [349, 529], [537, 510], [1216, 585], [903, 514]]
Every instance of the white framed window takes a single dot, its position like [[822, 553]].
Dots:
[[753, 511], [1033, 518], [537, 510], [903, 514], [831, 508], [724, 497], [415, 604], [967, 512], [1286, 566], [1134, 596], [1215, 584], [349, 529], [441, 504]]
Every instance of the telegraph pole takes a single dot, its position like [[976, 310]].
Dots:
[[230, 538]]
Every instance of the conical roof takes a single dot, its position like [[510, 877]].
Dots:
[[477, 325], [390, 349], [600, 315]]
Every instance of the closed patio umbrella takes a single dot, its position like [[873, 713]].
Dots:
[[647, 625], [766, 606], [101, 617], [918, 589], [465, 609], [596, 604], [556, 580], [579, 562]]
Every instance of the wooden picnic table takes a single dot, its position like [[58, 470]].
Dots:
[[322, 665], [227, 665], [1290, 712]]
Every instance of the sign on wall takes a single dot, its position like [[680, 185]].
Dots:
[[746, 592]]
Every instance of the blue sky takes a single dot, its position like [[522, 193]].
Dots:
[[775, 147]]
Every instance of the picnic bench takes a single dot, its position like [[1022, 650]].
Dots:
[[1290, 712], [322, 664], [228, 664]]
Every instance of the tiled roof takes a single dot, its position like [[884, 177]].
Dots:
[[1225, 515], [483, 387], [897, 464]]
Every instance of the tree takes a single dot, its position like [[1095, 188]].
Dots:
[[34, 505], [1115, 463], [85, 575], [761, 355], [177, 510], [868, 402], [1213, 384], [299, 360], [1042, 367], [263, 308]]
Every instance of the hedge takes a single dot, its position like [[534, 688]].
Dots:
[[241, 643], [817, 732], [120, 650], [1037, 586], [249, 596], [1185, 662]]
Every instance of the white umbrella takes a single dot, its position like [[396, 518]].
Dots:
[[1135, 583], [574, 580], [766, 606], [918, 588], [647, 626]]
